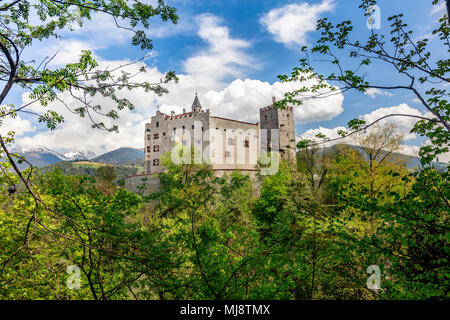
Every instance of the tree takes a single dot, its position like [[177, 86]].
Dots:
[[82, 79], [99, 233], [423, 75], [210, 217], [106, 173], [378, 145], [314, 162]]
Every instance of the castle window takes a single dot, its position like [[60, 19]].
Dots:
[[156, 136], [227, 154], [148, 149], [148, 137], [192, 126], [164, 134], [265, 117], [246, 144], [156, 148], [183, 129], [157, 124], [231, 141], [156, 162], [202, 128]]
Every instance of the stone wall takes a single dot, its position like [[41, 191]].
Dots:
[[149, 183]]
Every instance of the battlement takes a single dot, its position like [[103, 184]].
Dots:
[[174, 116], [271, 107], [165, 117]]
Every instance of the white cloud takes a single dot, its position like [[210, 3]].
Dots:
[[291, 23], [241, 100], [329, 133], [373, 92], [17, 124], [405, 124], [223, 59]]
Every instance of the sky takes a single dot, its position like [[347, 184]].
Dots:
[[230, 52]]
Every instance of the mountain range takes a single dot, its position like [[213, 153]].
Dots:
[[41, 156]]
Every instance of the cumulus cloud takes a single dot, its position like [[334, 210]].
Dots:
[[224, 58], [291, 23], [241, 100], [17, 124], [405, 124], [329, 133], [373, 92]]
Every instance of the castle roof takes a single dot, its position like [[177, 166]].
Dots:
[[196, 103]]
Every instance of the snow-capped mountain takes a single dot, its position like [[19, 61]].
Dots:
[[78, 156], [41, 156], [37, 150]]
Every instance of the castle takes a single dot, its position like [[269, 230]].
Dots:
[[225, 144]]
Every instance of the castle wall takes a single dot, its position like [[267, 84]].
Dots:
[[148, 183], [234, 144], [225, 144], [168, 130]]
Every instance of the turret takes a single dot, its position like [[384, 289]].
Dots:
[[196, 106]]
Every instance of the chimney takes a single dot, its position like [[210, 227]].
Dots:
[[172, 113], [184, 110]]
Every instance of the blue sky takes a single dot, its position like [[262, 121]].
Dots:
[[230, 52]]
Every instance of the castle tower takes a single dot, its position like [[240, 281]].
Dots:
[[283, 120], [196, 106]]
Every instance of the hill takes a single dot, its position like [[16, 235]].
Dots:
[[120, 156], [90, 168], [411, 162]]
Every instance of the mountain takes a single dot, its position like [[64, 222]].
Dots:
[[38, 156], [120, 156], [41, 156], [411, 162], [78, 156]]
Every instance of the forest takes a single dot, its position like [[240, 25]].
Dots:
[[338, 223], [308, 232]]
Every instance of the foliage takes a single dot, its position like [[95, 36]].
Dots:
[[410, 59]]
